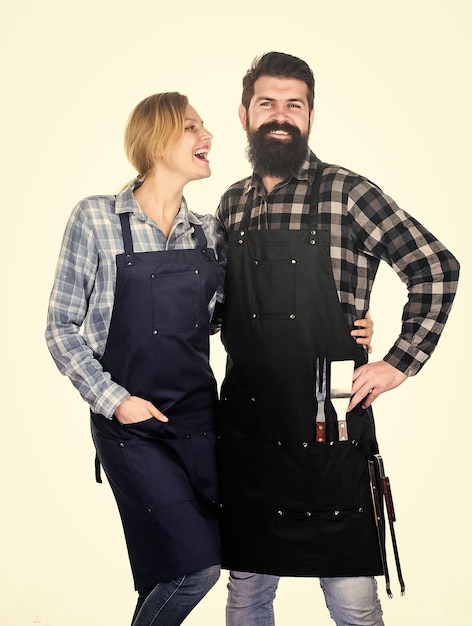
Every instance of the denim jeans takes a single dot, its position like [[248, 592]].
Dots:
[[351, 601], [169, 603]]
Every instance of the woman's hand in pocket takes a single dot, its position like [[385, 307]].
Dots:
[[135, 409]]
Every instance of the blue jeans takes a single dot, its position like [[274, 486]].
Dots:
[[351, 601], [169, 603]]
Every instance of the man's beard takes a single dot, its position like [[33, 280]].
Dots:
[[280, 158]]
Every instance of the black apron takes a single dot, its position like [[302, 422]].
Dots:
[[163, 475], [291, 506]]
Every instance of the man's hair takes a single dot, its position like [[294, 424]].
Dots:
[[280, 65]]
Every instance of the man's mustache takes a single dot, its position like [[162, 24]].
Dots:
[[284, 126]]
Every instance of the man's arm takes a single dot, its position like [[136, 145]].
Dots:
[[430, 273]]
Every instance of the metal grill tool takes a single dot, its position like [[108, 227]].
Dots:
[[340, 393], [320, 394]]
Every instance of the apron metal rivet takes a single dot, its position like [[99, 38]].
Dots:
[[240, 241], [305, 445], [361, 510], [242, 233], [153, 276], [279, 443], [196, 271], [254, 315], [279, 513], [122, 445], [292, 316], [197, 325], [312, 232], [312, 242], [336, 512], [154, 332], [253, 399], [308, 513], [294, 261], [256, 262]]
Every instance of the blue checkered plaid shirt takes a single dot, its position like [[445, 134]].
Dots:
[[82, 296]]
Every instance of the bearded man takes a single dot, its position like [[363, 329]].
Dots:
[[305, 241]]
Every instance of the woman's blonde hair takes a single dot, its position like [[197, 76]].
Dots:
[[154, 124]]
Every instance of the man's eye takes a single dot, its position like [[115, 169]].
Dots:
[[294, 105], [266, 104]]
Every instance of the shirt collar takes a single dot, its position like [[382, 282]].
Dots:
[[126, 203], [306, 172]]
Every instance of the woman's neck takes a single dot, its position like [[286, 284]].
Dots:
[[160, 202]]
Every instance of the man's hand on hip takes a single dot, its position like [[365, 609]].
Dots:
[[370, 380]]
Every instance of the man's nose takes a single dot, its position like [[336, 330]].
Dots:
[[280, 115]]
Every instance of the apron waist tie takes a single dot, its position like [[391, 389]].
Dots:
[[98, 473]]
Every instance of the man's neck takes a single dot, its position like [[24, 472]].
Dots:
[[270, 182]]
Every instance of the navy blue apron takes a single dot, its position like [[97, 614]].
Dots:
[[291, 505], [163, 475]]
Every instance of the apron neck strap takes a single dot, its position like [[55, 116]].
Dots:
[[199, 234], [127, 238], [313, 200]]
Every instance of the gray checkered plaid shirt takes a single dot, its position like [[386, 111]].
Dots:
[[365, 226]]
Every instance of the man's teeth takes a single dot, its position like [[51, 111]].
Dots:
[[278, 132]]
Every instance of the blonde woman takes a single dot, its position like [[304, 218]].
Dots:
[[139, 275]]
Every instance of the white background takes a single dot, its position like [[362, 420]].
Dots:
[[393, 102]]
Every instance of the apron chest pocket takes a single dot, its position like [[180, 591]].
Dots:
[[274, 288], [175, 300]]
